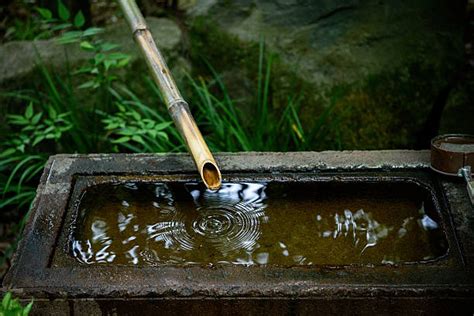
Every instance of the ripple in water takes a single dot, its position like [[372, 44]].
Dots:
[[223, 221], [227, 220], [154, 224]]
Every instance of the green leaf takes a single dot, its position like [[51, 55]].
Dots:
[[63, 11], [61, 27], [111, 126], [36, 118], [45, 13], [99, 58], [37, 140], [87, 45], [7, 152], [27, 308], [123, 62], [79, 19], [70, 37], [149, 124], [86, 85], [29, 111], [162, 126], [138, 139], [63, 115], [82, 70], [105, 47], [117, 56], [92, 31], [108, 63], [121, 140], [28, 173], [17, 198], [136, 115], [52, 113], [6, 301], [128, 131], [163, 135], [121, 107], [17, 120], [152, 133], [49, 129]]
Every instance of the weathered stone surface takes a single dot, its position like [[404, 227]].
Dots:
[[19, 58], [345, 40], [380, 65], [441, 286]]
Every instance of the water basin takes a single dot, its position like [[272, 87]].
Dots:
[[289, 233], [256, 223]]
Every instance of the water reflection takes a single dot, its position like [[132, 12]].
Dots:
[[227, 220], [365, 232], [151, 224]]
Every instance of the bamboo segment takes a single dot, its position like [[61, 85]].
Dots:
[[205, 163], [177, 107]]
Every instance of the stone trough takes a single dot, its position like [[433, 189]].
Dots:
[[44, 268]]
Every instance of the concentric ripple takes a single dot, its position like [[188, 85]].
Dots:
[[226, 220], [225, 227], [143, 223]]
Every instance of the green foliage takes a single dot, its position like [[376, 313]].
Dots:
[[41, 24], [63, 12], [100, 66], [79, 20], [98, 74], [36, 127], [23, 156], [12, 307], [54, 118], [127, 128], [264, 129], [273, 115]]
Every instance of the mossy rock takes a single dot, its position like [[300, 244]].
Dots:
[[376, 67]]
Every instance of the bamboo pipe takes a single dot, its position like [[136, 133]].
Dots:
[[177, 107]]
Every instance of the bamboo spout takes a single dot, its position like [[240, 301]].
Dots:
[[177, 107]]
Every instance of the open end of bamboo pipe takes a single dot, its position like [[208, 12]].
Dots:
[[202, 156], [211, 175]]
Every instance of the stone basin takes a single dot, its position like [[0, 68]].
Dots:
[[435, 276]]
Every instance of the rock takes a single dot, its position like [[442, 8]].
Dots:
[[344, 40], [380, 63], [18, 59]]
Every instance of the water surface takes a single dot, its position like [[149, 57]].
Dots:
[[283, 224]]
